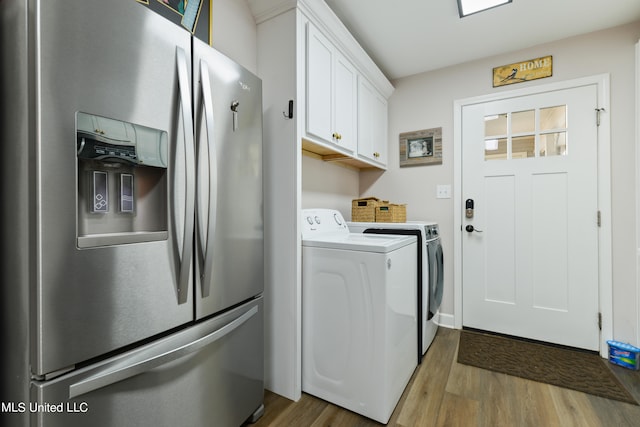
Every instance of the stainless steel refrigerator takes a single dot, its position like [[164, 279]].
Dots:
[[132, 229]]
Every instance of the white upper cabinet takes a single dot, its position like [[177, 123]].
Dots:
[[372, 124], [331, 94], [319, 71], [345, 102]]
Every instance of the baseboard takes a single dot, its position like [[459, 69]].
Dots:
[[445, 320]]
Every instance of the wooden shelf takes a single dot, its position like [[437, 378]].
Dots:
[[324, 153]]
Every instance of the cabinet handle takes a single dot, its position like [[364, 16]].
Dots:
[[376, 154], [337, 136]]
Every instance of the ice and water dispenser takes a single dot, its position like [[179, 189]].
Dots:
[[122, 182]]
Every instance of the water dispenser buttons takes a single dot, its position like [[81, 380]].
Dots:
[[126, 193], [100, 197]]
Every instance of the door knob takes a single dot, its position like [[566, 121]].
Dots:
[[471, 229]]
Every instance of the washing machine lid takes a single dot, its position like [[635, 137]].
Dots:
[[380, 243]]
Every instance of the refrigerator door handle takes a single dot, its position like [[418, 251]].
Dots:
[[152, 358], [189, 148], [208, 250]]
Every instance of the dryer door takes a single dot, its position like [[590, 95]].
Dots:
[[436, 276]]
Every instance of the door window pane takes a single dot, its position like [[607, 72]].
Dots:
[[495, 125], [523, 122], [495, 149], [553, 118], [523, 146], [553, 144]]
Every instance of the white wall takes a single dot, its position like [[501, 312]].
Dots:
[[235, 33], [426, 101], [328, 185]]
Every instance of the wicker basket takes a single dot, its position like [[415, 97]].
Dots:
[[391, 213], [364, 210]]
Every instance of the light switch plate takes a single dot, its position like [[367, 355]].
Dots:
[[443, 192]]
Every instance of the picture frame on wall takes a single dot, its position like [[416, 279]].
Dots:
[[192, 15], [421, 147]]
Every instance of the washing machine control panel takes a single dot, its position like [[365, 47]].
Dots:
[[432, 231], [319, 221]]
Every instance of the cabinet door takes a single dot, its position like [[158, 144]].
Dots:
[[345, 103], [331, 93], [319, 88], [365, 118], [372, 124], [380, 123]]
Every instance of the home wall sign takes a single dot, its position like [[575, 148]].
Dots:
[[525, 71], [192, 15], [421, 147]]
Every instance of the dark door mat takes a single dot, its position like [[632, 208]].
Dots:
[[578, 370]]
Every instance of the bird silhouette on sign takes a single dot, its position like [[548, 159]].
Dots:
[[512, 76], [514, 71]]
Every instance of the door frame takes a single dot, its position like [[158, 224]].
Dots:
[[605, 283], [637, 120]]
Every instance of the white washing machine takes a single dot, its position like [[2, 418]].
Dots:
[[359, 314], [430, 270]]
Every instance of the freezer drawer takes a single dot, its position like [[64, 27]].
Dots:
[[210, 374]]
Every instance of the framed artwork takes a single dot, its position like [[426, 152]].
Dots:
[[192, 15], [421, 147]]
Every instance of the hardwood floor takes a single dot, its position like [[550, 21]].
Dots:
[[443, 392]]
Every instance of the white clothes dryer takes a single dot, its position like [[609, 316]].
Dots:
[[430, 271], [359, 315]]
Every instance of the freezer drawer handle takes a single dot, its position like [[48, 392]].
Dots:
[[189, 148], [212, 208], [131, 367]]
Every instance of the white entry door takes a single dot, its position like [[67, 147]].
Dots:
[[530, 240]]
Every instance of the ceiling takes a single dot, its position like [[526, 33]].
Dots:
[[406, 37]]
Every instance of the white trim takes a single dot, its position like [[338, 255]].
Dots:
[[605, 263], [446, 320], [457, 211], [604, 193], [637, 121]]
